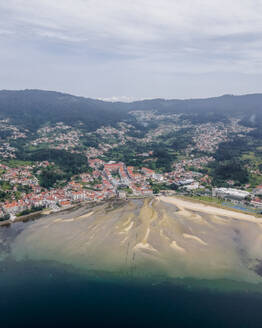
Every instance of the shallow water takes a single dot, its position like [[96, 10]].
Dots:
[[39, 294], [147, 238]]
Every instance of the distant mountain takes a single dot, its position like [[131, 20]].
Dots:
[[33, 108], [246, 107]]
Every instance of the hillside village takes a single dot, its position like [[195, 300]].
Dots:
[[22, 192], [107, 180]]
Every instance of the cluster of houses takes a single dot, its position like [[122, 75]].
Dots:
[[6, 150], [107, 180], [207, 137], [198, 163], [13, 131], [110, 179], [60, 136]]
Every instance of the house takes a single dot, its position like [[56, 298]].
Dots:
[[121, 194], [149, 173], [257, 202]]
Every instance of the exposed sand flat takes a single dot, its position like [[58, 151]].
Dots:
[[165, 235], [146, 246], [71, 220], [199, 240], [146, 236], [57, 220], [129, 227], [194, 206], [177, 247], [85, 216], [68, 220]]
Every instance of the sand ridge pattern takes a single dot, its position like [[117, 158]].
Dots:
[[157, 236]]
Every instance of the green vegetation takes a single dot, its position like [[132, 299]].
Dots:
[[5, 186], [49, 177], [177, 140], [207, 117], [32, 109], [26, 189], [4, 134], [238, 159], [229, 170], [234, 160], [128, 190], [127, 153], [164, 151], [157, 187], [32, 210], [5, 217], [66, 164], [5, 191], [14, 163], [4, 196], [66, 161], [208, 199], [91, 141]]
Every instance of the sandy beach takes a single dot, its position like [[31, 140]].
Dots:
[[209, 209]]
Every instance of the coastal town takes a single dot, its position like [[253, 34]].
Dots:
[[107, 181], [105, 178], [130, 164]]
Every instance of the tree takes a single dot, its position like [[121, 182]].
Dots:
[[49, 177]]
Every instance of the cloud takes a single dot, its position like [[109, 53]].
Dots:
[[153, 37], [126, 99]]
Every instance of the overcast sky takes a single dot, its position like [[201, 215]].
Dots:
[[132, 49]]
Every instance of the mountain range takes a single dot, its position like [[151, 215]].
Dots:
[[32, 108]]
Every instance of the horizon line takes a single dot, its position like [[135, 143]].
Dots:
[[132, 99]]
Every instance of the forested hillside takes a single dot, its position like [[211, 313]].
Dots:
[[33, 108]]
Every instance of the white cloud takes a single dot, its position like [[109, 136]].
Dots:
[[137, 20], [126, 99], [157, 37]]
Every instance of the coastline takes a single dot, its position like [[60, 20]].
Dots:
[[215, 204], [156, 237], [41, 214], [196, 205]]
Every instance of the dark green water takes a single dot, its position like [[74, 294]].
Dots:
[[41, 294], [45, 295]]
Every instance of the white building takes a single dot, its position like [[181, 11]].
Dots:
[[230, 193]]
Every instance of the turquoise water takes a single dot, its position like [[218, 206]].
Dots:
[[47, 295]]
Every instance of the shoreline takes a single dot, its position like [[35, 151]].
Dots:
[[30, 217], [187, 199], [41, 214], [214, 204], [202, 206], [145, 239]]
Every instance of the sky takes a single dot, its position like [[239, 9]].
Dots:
[[132, 49]]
